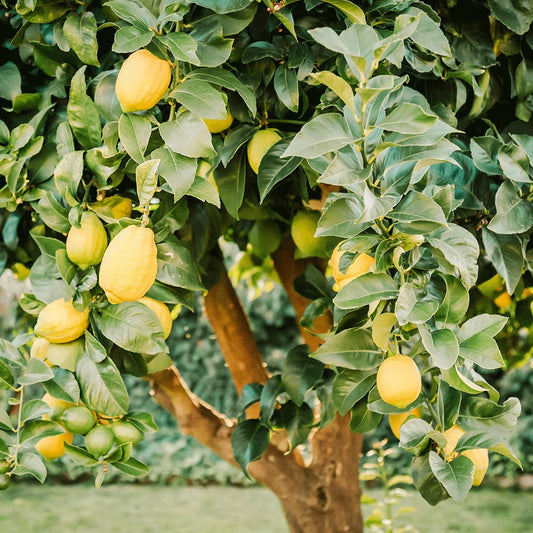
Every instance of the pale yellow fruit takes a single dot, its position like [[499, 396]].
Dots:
[[479, 456], [359, 266], [398, 381], [216, 126], [161, 311], [115, 207], [303, 228], [55, 403], [61, 322], [396, 421], [503, 301], [53, 447], [86, 245], [129, 265], [38, 348], [259, 145], [142, 81]]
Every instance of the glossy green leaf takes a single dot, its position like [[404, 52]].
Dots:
[[300, 373], [366, 289], [456, 476], [187, 135], [80, 33], [513, 213], [201, 98], [350, 386], [249, 440]]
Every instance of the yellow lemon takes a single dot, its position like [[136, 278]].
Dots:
[[259, 145], [161, 311], [396, 421], [114, 207], [60, 322], [38, 348], [398, 381], [479, 456], [142, 81], [503, 301], [359, 266], [129, 265], [53, 447], [20, 271], [216, 126], [86, 245]]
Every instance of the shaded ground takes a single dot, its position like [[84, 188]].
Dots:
[[148, 509]]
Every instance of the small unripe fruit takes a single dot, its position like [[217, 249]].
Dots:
[[99, 441], [126, 432]]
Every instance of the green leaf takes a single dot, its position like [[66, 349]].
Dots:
[[441, 344], [177, 170], [418, 214], [134, 133], [31, 464], [250, 394], [10, 81], [297, 421], [456, 476], [429, 34], [80, 455], [231, 181], [63, 386], [513, 214], [37, 371], [67, 176], [132, 326], [456, 248], [214, 51], [300, 373], [176, 267], [132, 467], [286, 87], [366, 289], [130, 38], [224, 6], [414, 435], [407, 118], [505, 253], [144, 421], [350, 386], [516, 15], [6, 376], [408, 308], [482, 350], [455, 303], [459, 381], [351, 348], [249, 440], [188, 135], [485, 415], [275, 168], [228, 80], [80, 33], [133, 12], [182, 46], [322, 134], [426, 482], [34, 409], [35, 430], [338, 85], [269, 398], [82, 113], [353, 12], [146, 179], [200, 97], [102, 387], [448, 405], [362, 419]]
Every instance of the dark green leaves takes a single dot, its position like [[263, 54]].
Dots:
[[456, 476], [249, 440], [80, 32], [350, 386], [300, 373], [102, 387]]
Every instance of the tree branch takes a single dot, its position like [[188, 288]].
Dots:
[[288, 269], [235, 336]]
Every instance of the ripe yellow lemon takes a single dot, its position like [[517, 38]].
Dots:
[[259, 145], [359, 266], [129, 265], [86, 245], [53, 447], [60, 322], [303, 228], [396, 421], [479, 456], [216, 126], [161, 311], [142, 81], [398, 381], [38, 348]]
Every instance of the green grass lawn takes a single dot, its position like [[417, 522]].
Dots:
[[148, 509]]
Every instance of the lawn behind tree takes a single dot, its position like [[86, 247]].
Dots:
[[148, 508]]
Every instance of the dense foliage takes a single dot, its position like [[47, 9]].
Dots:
[[412, 115]]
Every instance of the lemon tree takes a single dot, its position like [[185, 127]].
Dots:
[[375, 157]]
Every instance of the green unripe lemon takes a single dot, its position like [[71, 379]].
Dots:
[[78, 420], [4, 467], [303, 230], [259, 145], [99, 440], [265, 237], [5, 481], [126, 432], [86, 245]]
